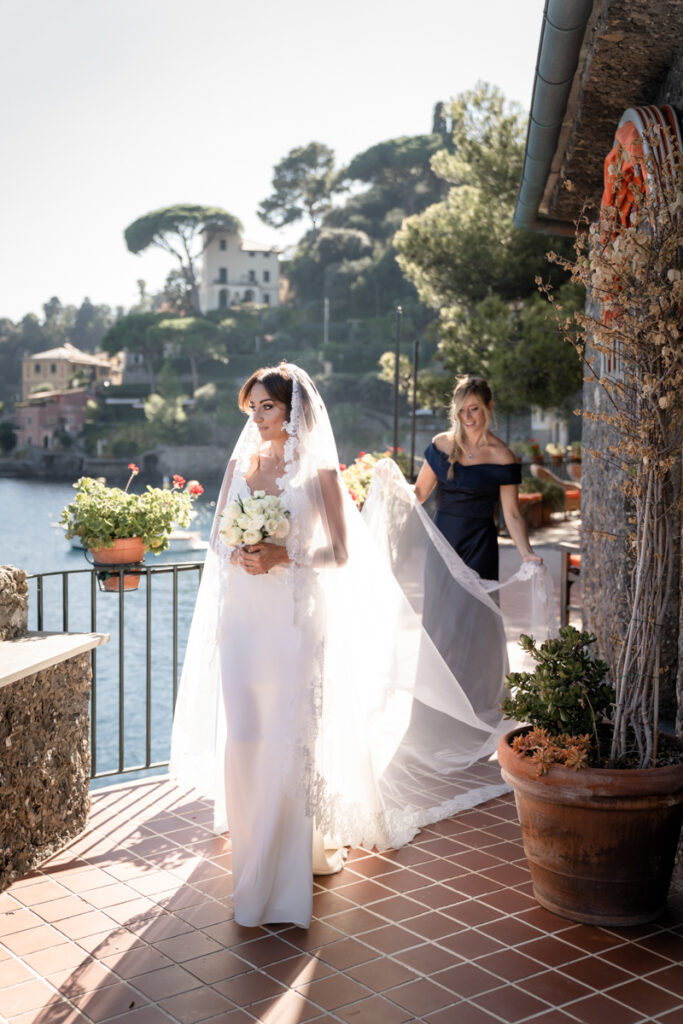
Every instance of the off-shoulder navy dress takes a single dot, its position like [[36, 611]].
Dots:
[[465, 508]]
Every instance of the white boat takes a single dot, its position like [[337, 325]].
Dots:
[[186, 540]]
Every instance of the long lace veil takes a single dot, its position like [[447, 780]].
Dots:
[[404, 685]]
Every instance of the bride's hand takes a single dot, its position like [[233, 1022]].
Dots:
[[260, 558]]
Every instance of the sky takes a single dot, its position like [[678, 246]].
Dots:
[[113, 108]]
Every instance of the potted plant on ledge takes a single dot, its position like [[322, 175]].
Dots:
[[574, 451], [117, 526], [556, 453], [630, 264]]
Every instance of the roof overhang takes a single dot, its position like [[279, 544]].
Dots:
[[595, 59]]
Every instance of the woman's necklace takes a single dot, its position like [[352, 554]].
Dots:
[[468, 450]]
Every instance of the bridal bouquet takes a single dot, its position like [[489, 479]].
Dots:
[[253, 519]]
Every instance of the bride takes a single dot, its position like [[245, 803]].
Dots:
[[314, 708]]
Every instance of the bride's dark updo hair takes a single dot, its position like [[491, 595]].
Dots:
[[277, 382]]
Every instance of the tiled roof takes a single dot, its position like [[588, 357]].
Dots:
[[71, 354]]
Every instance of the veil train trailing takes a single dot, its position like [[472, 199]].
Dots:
[[405, 652]]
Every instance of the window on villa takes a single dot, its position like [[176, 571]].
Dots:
[[223, 298], [36, 368], [223, 275], [53, 367], [223, 244], [266, 298], [252, 253], [28, 420], [266, 255], [266, 275], [252, 275]]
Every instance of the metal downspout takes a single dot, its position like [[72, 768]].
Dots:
[[564, 24]]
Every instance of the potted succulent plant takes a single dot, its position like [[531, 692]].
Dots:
[[600, 841], [632, 791], [118, 526]]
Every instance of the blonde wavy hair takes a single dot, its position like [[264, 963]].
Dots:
[[466, 387]]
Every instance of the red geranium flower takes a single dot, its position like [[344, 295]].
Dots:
[[134, 470], [178, 481], [196, 488], [342, 466]]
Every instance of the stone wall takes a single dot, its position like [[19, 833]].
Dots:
[[13, 602], [605, 516], [44, 764]]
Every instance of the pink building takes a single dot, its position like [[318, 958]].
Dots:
[[49, 412]]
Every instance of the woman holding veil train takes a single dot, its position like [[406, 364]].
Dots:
[[307, 658]]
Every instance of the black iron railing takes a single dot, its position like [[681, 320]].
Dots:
[[135, 676]]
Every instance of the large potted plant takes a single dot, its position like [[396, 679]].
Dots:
[[631, 339], [600, 840], [118, 526]]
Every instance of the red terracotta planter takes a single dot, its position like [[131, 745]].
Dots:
[[531, 507], [600, 843], [125, 551]]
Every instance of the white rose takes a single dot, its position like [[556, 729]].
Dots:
[[232, 511], [251, 537], [242, 521], [272, 525], [272, 501], [232, 536], [257, 522], [259, 494], [283, 529]]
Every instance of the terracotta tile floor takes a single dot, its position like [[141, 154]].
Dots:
[[132, 925]]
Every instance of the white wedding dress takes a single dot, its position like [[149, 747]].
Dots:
[[313, 702], [267, 656]]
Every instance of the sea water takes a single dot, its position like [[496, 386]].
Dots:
[[31, 539]]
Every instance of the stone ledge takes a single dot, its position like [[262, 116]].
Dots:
[[36, 651]]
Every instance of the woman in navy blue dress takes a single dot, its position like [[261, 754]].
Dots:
[[472, 470]]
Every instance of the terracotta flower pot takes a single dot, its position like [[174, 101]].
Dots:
[[556, 460], [600, 842], [531, 506], [125, 551]]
